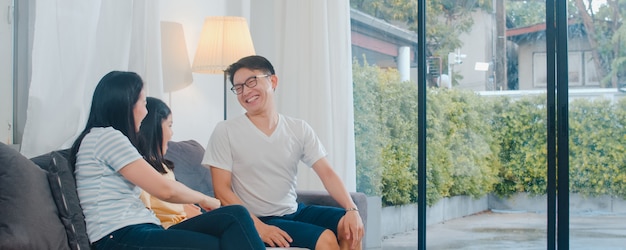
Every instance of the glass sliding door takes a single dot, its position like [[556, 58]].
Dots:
[[486, 121], [494, 78], [384, 45], [597, 122]]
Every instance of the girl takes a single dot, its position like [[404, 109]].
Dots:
[[154, 133], [110, 174]]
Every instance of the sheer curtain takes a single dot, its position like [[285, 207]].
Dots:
[[75, 43], [309, 44]]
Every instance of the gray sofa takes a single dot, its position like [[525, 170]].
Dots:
[[40, 207]]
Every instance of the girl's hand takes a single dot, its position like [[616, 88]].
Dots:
[[192, 210], [210, 203]]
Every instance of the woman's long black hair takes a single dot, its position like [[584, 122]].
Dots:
[[151, 134], [112, 106]]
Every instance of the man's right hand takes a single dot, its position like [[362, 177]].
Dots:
[[273, 235]]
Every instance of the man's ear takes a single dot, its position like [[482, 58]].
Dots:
[[274, 80]]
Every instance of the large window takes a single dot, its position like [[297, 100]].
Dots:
[[489, 114]]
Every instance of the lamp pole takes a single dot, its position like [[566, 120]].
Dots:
[[223, 40], [225, 90]]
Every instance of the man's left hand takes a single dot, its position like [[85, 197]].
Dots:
[[352, 225]]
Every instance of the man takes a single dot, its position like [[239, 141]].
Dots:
[[254, 159]]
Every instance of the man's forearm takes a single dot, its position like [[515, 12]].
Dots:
[[228, 197], [338, 192]]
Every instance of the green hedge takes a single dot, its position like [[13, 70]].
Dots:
[[597, 147], [476, 144]]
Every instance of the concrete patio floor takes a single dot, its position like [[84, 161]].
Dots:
[[515, 230]]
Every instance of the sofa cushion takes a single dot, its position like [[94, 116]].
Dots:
[[187, 158], [63, 187], [29, 218]]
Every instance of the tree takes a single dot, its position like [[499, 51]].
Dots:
[[525, 13], [617, 31], [605, 35]]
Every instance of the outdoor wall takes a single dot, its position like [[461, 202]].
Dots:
[[525, 64], [591, 94], [578, 204], [478, 46], [400, 219]]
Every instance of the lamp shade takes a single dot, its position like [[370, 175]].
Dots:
[[174, 58], [224, 40]]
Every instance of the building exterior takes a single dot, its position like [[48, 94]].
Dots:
[[383, 44], [478, 48], [530, 43], [388, 46]]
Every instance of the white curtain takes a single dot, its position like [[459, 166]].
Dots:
[[75, 43], [310, 48]]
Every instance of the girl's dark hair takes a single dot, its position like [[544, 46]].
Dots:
[[112, 106], [250, 62], [151, 134]]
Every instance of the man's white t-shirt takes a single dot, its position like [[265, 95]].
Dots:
[[264, 168]]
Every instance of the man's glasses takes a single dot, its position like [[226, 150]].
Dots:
[[250, 83]]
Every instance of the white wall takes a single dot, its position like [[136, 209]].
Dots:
[[197, 108], [6, 73]]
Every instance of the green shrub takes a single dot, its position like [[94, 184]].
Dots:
[[386, 140], [399, 116], [520, 131], [597, 159], [368, 126], [459, 143], [476, 144]]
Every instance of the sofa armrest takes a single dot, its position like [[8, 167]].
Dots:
[[323, 198], [310, 197]]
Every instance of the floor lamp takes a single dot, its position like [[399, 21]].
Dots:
[[174, 59], [223, 41]]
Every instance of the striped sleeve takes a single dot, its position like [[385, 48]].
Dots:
[[116, 150]]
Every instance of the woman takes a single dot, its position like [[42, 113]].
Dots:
[[110, 174], [154, 133]]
